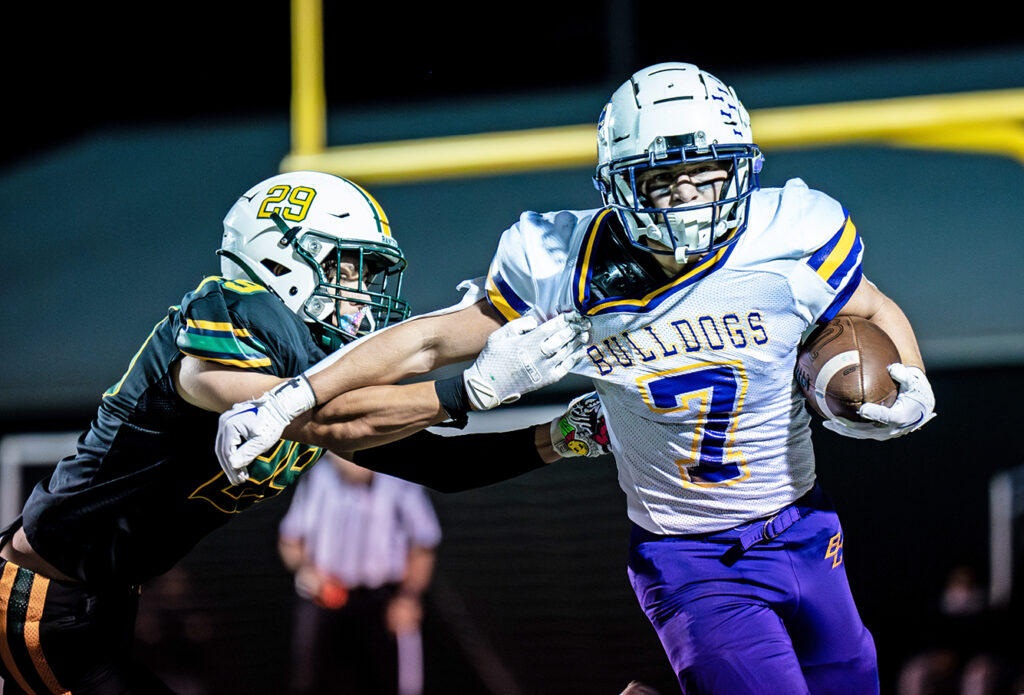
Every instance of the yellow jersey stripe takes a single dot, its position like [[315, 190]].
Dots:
[[581, 287], [113, 391], [218, 326], [498, 301], [840, 252]]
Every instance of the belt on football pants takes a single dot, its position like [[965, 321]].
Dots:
[[770, 529]]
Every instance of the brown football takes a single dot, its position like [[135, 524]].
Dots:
[[843, 364]]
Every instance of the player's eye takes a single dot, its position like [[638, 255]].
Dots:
[[348, 275], [657, 186]]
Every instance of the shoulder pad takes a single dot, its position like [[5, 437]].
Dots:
[[790, 222], [528, 268], [240, 324], [619, 270]]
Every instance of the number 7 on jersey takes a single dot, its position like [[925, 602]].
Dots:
[[712, 392]]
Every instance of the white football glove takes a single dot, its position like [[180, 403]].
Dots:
[[581, 430], [252, 427], [912, 409], [523, 356]]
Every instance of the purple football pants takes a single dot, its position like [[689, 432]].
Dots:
[[776, 618]]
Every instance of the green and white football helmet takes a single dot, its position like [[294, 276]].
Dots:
[[291, 233]]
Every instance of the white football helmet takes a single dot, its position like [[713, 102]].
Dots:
[[670, 114], [290, 232]]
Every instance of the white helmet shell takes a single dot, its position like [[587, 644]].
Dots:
[[283, 231], [670, 114]]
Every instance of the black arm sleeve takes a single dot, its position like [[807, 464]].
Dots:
[[454, 464]]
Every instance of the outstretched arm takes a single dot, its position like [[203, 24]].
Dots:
[[517, 358], [413, 347], [469, 461], [363, 418], [368, 417]]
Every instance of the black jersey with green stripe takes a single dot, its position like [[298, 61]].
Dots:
[[145, 485]]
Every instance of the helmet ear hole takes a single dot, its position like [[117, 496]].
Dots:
[[276, 268]]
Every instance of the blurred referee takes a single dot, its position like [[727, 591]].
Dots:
[[361, 545]]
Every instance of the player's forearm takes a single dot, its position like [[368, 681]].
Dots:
[[369, 416], [542, 440], [216, 387], [894, 322], [463, 462], [870, 303], [415, 347]]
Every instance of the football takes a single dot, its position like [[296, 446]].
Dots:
[[844, 364]]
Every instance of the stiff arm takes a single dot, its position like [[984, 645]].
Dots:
[[417, 346], [357, 420]]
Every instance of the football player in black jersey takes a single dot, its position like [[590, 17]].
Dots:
[[308, 263]]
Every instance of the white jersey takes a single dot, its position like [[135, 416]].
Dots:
[[695, 377]]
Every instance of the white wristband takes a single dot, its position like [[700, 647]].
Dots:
[[292, 398]]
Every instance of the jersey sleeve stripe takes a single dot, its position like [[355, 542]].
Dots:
[[221, 346], [834, 260], [852, 260], [843, 297], [584, 270], [501, 296], [217, 327]]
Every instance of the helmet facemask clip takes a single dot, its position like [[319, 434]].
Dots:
[[288, 234]]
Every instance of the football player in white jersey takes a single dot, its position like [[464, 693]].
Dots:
[[698, 286]]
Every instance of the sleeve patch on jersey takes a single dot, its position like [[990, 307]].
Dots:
[[223, 343], [503, 298], [833, 261]]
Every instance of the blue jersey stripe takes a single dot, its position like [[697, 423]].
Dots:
[[822, 254], [852, 259], [503, 298], [843, 297]]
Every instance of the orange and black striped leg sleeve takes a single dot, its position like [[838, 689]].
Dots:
[[22, 597]]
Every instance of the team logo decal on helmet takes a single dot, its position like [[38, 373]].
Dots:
[[293, 233], [668, 115]]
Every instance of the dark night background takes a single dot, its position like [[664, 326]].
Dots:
[[74, 67]]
